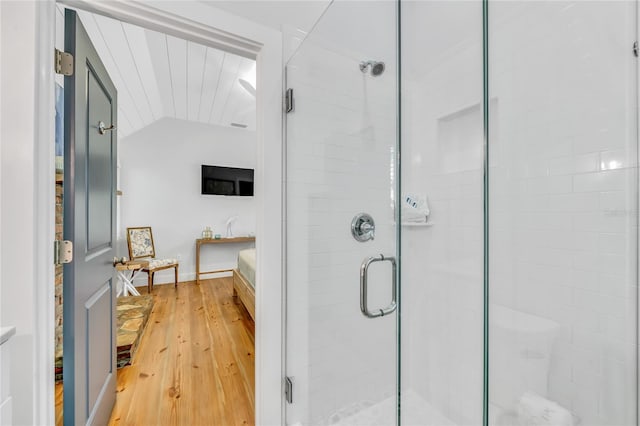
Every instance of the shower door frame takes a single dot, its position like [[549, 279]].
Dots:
[[637, 269], [485, 186]]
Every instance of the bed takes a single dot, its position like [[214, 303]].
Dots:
[[244, 278]]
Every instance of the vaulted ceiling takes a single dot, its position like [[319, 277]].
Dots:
[[162, 76]]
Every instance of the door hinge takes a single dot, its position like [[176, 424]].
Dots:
[[635, 49], [288, 390], [63, 62], [288, 101], [62, 252]]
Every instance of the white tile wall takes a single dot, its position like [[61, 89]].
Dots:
[[562, 205], [563, 197]]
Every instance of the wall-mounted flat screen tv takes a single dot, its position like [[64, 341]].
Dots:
[[227, 181]]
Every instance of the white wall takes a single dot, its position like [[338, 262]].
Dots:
[[160, 179], [25, 194], [16, 227]]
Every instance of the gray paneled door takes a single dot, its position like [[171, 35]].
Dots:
[[89, 221]]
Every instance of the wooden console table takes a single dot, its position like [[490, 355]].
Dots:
[[203, 241]]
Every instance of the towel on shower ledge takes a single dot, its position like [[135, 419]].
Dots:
[[413, 216], [534, 410], [415, 209]]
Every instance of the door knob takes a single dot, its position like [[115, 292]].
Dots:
[[102, 129]]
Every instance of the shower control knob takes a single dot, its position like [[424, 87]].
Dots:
[[363, 228], [366, 227]]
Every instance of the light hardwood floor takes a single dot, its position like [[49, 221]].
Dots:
[[195, 363]]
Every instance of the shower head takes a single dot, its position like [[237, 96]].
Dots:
[[377, 68]]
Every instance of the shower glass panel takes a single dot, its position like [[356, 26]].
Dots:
[[555, 271], [442, 259], [341, 161], [563, 213]]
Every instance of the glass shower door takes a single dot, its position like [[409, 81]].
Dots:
[[342, 255]]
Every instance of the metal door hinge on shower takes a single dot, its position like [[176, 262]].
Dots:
[[288, 390], [288, 101]]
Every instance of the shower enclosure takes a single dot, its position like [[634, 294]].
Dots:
[[462, 213]]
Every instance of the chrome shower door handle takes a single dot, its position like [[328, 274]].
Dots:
[[364, 271]]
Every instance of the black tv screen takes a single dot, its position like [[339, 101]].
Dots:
[[227, 181]]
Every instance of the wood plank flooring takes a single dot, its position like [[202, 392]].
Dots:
[[195, 363]]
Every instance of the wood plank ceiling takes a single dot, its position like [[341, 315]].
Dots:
[[161, 76]]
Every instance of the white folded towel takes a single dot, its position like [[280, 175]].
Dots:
[[412, 215], [534, 410], [415, 209]]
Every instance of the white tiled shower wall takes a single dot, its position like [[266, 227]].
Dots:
[[340, 157], [562, 199], [563, 194]]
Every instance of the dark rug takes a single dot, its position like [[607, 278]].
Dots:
[[132, 316]]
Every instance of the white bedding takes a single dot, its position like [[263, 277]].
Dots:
[[247, 265]]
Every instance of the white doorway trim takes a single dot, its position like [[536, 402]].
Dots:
[[44, 222], [201, 23], [143, 15]]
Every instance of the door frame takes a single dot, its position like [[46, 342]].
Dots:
[[213, 27]]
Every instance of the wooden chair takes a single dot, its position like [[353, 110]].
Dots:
[[140, 244]]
